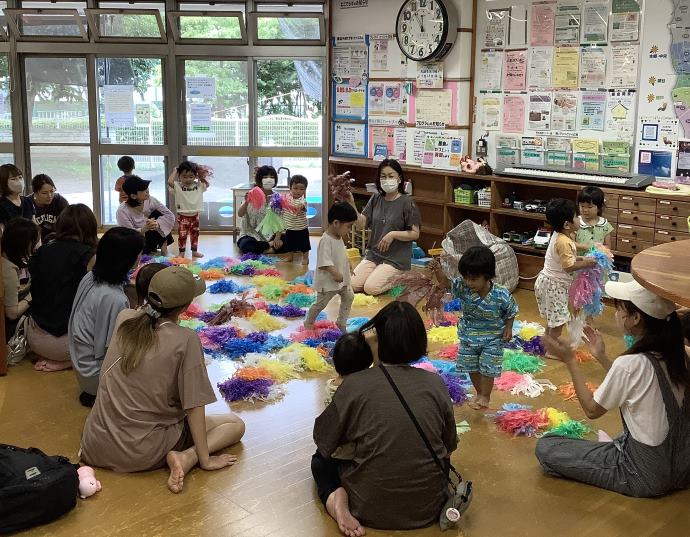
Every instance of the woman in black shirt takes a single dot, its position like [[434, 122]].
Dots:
[[48, 204], [12, 203]]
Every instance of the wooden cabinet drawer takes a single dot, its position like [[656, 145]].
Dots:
[[671, 222], [662, 236], [636, 218], [635, 232], [631, 246], [673, 208], [611, 200], [637, 203], [611, 214]]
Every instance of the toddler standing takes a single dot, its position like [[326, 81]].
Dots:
[[553, 283], [332, 275], [594, 228], [189, 182], [126, 166], [488, 312], [296, 234]]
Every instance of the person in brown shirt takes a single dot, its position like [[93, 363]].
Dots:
[[392, 482], [149, 409]]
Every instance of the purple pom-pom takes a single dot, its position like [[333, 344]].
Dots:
[[456, 389], [207, 316], [288, 311], [257, 337], [534, 346], [237, 389]]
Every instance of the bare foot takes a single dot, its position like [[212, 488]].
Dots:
[[197, 254], [175, 459], [480, 403], [338, 507], [38, 366], [54, 365], [602, 436]]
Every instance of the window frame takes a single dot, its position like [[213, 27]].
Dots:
[[93, 16], [174, 20], [254, 21], [14, 15]]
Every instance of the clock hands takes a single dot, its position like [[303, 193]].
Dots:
[[421, 22]]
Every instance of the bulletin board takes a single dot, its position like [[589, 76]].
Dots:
[[417, 113], [559, 82]]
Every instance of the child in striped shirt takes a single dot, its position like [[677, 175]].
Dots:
[[296, 234]]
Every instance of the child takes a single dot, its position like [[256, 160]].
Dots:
[[553, 283], [487, 320], [351, 353], [142, 281], [126, 166], [296, 234], [188, 182], [594, 228], [333, 267]]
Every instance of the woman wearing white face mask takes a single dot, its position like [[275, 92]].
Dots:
[[393, 220], [12, 203], [251, 240]]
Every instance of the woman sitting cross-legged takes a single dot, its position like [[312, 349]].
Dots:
[[392, 482], [150, 406], [56, 270], [650, 385]]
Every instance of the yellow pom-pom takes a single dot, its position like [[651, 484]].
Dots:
[[443, 334], [260, 281], [530, 330], [265, 322], [280, 371], [364, 300], [310, 358], [556, 417]]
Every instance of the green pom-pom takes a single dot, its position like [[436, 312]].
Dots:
[[271, 224], [515, 360], [193, 268], [571, 429], [300, 300], [271, 292], [216, 307], [192, 323], [396, 291]]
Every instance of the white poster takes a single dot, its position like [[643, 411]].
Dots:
[[496, 32], [620, 114], [658, 132], [433, 108], [202, 87], [350, 57], [430, 75], [540, 62], [592, 111], [381, 51], [539, 113], [200, 117], [118, 101], [564, 111], [392, 98], [350, 139], [624, 64], [491, 113], [592, 67], [376, 100], [625, 26], [416, 139], [143, 114], [568, 18], [595, 22], [491, 69]]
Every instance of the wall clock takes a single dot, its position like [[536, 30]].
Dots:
[[426, 29]]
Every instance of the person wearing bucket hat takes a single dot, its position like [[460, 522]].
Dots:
[[146, 214], [150, 409], [648, 384]]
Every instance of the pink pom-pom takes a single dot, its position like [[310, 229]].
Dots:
[[521, 422], [507, 380], [427, 366], [256, 197], [450, 352]]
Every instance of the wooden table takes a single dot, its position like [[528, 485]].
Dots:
[[665, 270]]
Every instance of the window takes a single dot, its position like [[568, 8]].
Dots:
[[130, 101], [296, 28], [129, 24], [217, 107], [3, 21], [69, 167], [5, 108], [40, 20], [57, 101], [289, 107], [150, 167], [200, 26]]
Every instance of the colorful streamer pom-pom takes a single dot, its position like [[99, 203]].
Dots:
[[239, 389], [456, 388], [214, 337], [271, 224], [212, 274], [530, 330], [362, 300], [396, 291], [307, 279], [443, 334], [226, 286], [266, 322], [256, 198], [309, 358], [271, 292], [279, 371], [288, 311], [265, 259], [556, 417], [274, 343], [587, 289], [449, 352], [299, 300], [571, 429], [583, 356], [194, 324], [355, 323], [520, 422], [340, 185], [453, 305], [568, 390], [507, 381], [515, 360]]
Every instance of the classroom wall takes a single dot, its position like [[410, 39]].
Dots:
[[654, 99]]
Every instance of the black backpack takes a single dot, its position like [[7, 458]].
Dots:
[[34, 488]]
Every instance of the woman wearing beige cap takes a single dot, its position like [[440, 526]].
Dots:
[[648, 384], [149, 411]]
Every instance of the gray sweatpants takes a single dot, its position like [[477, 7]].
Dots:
[[322, 300]]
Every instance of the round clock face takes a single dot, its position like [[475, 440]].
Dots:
[[422, 28]]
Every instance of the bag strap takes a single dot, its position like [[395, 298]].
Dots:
[[419, 428]]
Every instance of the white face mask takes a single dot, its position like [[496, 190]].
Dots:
[[389, 185], [268, 182], [16, 186]]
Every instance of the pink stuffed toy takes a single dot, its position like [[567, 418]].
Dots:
[[88, 484], [479, 167]]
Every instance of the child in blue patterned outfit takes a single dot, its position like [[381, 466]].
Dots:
[[488, 312]]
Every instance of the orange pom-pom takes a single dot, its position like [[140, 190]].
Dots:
[[568, 390]]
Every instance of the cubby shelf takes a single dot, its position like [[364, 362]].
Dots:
[[469, 207], [514, 213]]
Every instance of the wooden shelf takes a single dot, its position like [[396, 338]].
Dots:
[[432, 231], [622, 254], [419, 199], [520, 214], [469, 207], [360, 191], [527, 249]]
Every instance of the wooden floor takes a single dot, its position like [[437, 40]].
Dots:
[[270, 490]]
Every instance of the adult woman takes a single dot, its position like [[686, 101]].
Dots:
[[649, 384], [251, 240], [150, 406], [146, 214], [12, 203], [56, 270], [392, 482], [100, 298], [393, 220], [18, 243], [48, 204]]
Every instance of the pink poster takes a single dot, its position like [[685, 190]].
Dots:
[[515, 70], [542, 24], [513, 114]]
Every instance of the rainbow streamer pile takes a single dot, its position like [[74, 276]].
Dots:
[[521, 420], [587, 290]]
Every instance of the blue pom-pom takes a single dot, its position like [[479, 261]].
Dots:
[[226, 286], [355, 323], [453, 305]]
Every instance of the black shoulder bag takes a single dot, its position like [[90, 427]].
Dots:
[[459, 491]]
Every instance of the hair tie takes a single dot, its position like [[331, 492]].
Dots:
[[148, 310]]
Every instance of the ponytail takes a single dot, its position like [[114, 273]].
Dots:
[[137, 336]]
